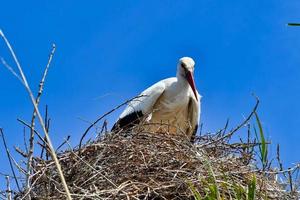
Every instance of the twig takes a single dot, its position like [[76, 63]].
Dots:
[[90, 166], [34, 182], [238, 127], [22, 153], [37, 101], [64, 142], [225, 127], [96, 121], [290, 181], [88, 122], [278, 157], [42, 145], [9, 159], [24, 137], [104, 127], [27, 87], [8, 188], [47, 124], [35, 131]]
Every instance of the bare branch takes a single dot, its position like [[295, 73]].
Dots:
[[8, 188], [9, 159], [228, 135], [95, 122], [24, 137], [35, 131], [65, 141], [33, 100], [37, 100]]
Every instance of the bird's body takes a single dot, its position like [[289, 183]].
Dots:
[[171, 105]]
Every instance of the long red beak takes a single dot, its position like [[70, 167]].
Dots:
[[190, 79]]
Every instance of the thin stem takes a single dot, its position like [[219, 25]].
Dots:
[[9, 159]]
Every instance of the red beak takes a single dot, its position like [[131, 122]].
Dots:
[[190, 79]]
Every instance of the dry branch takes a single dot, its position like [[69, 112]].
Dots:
[[33, 101], [101, 117], [8, 188], [9, 159], [32, 128]]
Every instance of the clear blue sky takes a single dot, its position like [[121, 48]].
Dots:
[[109, 51]]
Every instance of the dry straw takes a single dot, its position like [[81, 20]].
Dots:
[[142, 165]]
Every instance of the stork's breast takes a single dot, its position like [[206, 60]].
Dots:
[[171, 107]]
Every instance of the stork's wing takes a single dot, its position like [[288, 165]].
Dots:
[[140, 106], [194, 110]]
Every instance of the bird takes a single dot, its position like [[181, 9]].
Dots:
[[174, 102]]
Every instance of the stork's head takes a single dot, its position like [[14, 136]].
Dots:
[[185, 70]]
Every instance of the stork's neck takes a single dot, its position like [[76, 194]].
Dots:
[[181, 81]]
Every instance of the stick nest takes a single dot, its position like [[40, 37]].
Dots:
[[143, 165]]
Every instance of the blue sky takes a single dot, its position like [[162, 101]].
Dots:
[[109, 51]]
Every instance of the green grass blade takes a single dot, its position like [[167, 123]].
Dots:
[[264, 148], [239, 192], [259, 146], [214, 190], [251, 188], [195, 192]]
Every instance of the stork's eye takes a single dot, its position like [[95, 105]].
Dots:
[[183, 65]]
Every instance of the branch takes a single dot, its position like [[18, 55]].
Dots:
[[47, 124], [33, 101], [95, 122], [64, 142], [8, 188], [9, 159], [37, 101], [35, 131], [239, 126]]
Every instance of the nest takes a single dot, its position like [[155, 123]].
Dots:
[[143, 165]]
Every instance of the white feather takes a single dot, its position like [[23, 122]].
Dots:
[[146, 99]]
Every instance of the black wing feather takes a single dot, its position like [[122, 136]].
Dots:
[[128, 121]]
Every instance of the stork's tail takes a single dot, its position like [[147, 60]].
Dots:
[[193, 137]]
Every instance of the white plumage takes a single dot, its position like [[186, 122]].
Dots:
[[171, 105]]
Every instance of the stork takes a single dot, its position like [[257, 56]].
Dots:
[[172, 101]]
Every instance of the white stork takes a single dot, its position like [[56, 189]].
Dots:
[[173, 101]]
